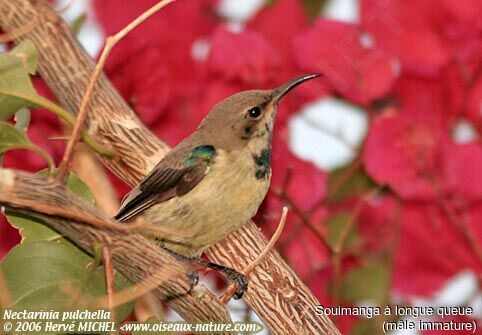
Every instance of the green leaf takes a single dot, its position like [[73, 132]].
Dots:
[[370, 282], [27, 52], [40, 271], [336, 225], [13, 77], [357, 182], [365, 326], [22, 119], [77, 186], [78, 23], [17, 91], [54, 275], [38, 101], [32, 228], [13, 138], [313, 8]]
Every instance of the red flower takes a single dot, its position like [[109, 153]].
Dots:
[[467, 170], [173, 29], [418, 160], [162, 48], [461, 31], [406, 155], [140, 73], [380, 214], [474, 103], [280, 33], [9, 236], [427, 35], [307, 183], [423, 99], [407, 30], [245, 56], [432, 248], [358, 70]]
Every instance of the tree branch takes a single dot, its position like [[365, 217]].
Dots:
[[247, 271], [137, 257], [277, 295], [111, 41]]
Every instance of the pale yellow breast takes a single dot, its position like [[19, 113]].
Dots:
[[227, 197]]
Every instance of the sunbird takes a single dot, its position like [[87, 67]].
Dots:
[[214, 180]]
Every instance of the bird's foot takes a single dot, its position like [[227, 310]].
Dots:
[[233, 276], [193, 278], [239, 280]]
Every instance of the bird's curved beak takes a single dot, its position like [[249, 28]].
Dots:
[[280, 92]]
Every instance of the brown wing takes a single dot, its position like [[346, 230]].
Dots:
[[174, 176]]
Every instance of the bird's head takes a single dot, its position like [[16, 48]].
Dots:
[[247, 115]]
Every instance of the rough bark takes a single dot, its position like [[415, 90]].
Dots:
[[276, 294], [88, 168], [135, 256]]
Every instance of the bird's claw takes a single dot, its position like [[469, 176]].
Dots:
[[240, 281], [193, 278]]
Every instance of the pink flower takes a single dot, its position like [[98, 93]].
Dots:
[[355, 68]]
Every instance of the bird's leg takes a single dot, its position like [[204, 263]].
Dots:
[[231, 274], [193, 275]]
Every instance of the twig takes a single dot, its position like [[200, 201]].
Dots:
[[232, 288], [111, 41], [11, 35], [340, 182], [329, 132], [131, 293], [304, 219], [77, 291], [65, 7], [283, 195], [87, 167], [462, 224], [298, 225], [68, 214], [339, 246], [287, 179], [109, 278], [247, 313], [294, 231], [271, 243]]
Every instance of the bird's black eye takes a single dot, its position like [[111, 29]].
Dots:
[[254, 112]]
